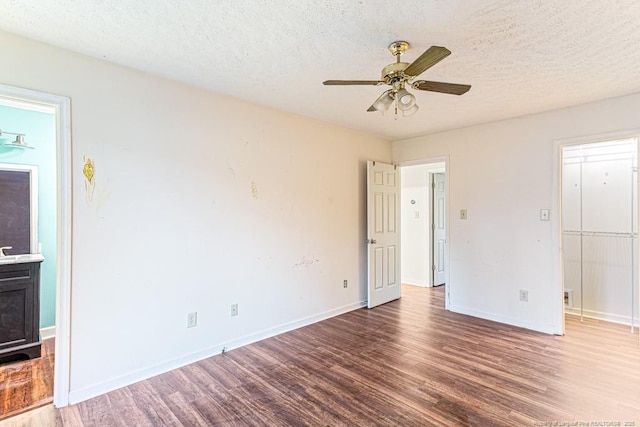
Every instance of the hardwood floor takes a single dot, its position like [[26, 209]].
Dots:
[[27, 384], [408, 363]]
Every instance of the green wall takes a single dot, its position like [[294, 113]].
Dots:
[[40, 130]]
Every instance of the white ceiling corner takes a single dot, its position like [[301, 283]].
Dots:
[[520, 57]]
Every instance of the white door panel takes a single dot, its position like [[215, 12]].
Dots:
[[383, 229], [439, 242]]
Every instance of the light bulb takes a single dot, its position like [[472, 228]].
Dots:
[[406, 100]]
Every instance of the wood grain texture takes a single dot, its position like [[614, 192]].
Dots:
[[27, 384], [406, 363], [43, 416]]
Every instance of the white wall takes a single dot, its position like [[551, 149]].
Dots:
[[200, 201], [414, 222], [502, 173], [416, 233]]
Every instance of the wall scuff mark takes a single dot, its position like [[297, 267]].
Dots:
[[103, 196], [305, 262]]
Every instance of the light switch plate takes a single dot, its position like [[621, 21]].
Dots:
[[192, 320], [463, 214], [544, 214]]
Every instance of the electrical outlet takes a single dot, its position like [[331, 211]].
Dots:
[[192, 319], [344, 284], [234, 310], [524, 295]]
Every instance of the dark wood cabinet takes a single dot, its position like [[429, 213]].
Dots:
[[19, 310]]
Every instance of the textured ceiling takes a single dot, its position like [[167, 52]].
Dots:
[[519, 56]]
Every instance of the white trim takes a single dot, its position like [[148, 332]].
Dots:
[[31, 106], [48, 332], [507, 320], [556, 219], [62, 107], [606, 317], [85, 393], [556, 234], [414, 282]]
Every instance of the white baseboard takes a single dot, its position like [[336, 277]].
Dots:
[[415, 282], [547, 329], [607, 317], [79, 395], [49, 332]]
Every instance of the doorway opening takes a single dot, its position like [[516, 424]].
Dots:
[[424, 228], [599, 204], [56, 315]]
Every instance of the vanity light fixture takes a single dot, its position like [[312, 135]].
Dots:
[[17, 144]]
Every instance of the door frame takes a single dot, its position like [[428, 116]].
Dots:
[[556, 219], [62, 107], [430, 261], [447, 264]]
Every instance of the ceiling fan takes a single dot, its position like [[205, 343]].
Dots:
[[399, 75]]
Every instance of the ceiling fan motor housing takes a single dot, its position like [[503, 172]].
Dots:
[[394, 72]]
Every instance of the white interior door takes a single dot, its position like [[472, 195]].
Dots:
[[383, 230], [438, 227]]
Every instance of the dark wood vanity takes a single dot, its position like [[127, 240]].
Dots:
[[20, 310]]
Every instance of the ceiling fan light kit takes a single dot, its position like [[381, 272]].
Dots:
[[401, 74], [383, 103]]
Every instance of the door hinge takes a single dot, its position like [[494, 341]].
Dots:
[[395, 167], [433, 267]]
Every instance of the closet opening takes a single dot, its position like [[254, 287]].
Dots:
[[600, 230]]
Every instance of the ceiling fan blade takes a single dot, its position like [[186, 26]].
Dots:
[[450, 88], [352, 82], [431, 57]]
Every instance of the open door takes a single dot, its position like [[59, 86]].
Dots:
[[437, 227], [383, 231]]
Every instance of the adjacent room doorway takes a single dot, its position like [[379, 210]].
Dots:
[[423, 229], [406, 228]]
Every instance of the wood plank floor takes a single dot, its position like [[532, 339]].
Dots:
[[407, 363], [27, 384]]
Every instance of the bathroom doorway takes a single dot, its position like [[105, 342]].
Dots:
[[20, 109]]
